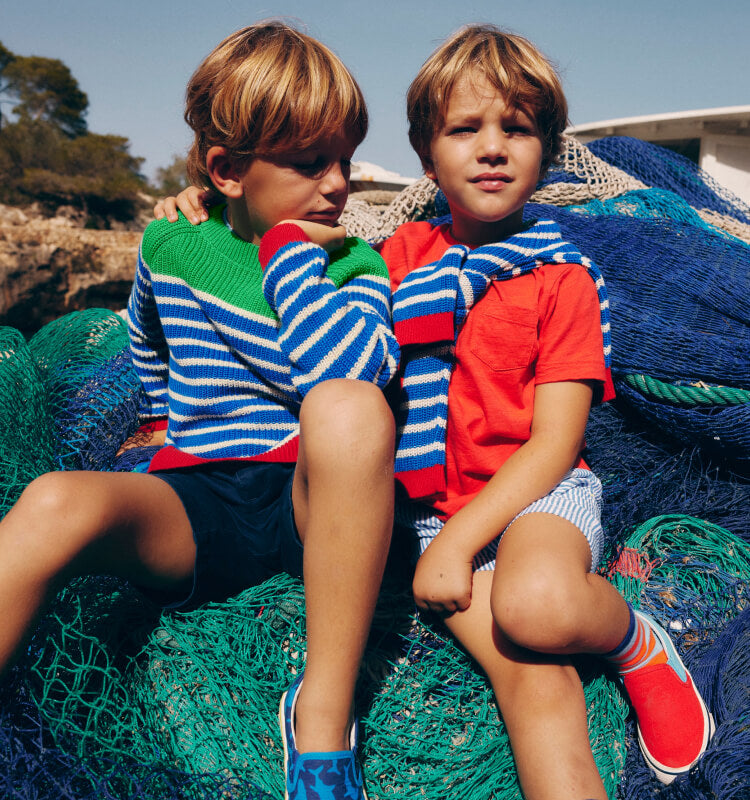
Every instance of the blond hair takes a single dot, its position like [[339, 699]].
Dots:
[[269, 89], [510, 63]]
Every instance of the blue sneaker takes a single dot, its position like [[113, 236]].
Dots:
[[317, 776]]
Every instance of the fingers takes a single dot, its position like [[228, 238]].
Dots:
[[191, 202], [329, 237], [166, 208], [443, 608]]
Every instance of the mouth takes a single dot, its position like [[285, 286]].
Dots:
[[491, 180], [327, 217]]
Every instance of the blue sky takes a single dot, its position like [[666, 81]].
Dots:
[[617, 59]]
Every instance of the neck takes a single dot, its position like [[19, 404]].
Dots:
[[474, 232], [242, 224]]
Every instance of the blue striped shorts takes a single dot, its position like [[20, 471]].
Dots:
[[577, 498]]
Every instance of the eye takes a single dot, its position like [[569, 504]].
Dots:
[[458, 130], [310, 167]]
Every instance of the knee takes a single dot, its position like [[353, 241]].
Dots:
[[49, 518], [536, 611], [47, 498], [344, 415]]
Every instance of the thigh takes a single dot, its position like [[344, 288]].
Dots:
[[542, 543], [127, 524]]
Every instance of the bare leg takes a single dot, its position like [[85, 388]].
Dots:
[[541, 701], [545, 599], [343, 501], [75, 523]]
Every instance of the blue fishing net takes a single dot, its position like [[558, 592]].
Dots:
[[663, 169]]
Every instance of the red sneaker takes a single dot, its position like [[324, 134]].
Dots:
[[674, 725]]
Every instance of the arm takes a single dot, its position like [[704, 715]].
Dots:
[[442, 581], [148, 347], [328, 331]]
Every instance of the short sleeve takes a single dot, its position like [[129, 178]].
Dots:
[[570, 333]]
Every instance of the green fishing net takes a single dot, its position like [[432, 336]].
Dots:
[[26, 435], [198, 693]]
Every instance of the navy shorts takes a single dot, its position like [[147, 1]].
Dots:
[[243, 526]]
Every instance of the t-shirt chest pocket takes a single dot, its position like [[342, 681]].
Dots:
[[503, 339]]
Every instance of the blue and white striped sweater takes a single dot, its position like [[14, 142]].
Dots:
[[229, 362]]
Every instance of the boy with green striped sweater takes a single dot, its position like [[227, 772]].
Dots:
[[263, 341]]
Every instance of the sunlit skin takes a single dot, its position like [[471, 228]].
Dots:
[[486, 157], [310, 185]]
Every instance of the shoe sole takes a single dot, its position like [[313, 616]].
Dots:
[[667, 774], [282, 728]]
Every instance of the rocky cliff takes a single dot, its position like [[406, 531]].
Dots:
[[52, 265]]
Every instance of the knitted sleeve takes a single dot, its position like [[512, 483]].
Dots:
[[148, 347], [334, 323]]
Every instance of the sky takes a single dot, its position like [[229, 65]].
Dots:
[[617, 58]]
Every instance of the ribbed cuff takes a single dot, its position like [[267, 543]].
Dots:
[[276, 238]]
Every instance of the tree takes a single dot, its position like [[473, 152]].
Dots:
[[46, 153], [43, 89], [172, 179], [6, 57]]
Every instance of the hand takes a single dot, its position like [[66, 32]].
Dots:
[[191, 201], [329, 237], [143, 437], [443, 578]]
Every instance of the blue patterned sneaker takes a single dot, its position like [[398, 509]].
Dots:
[[317, 776]]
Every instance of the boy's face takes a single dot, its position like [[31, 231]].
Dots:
[[310, 184], [486, 158]]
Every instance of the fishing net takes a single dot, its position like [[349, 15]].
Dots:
[[643, 475], [680, 322], [664, 169], [112, 698], [26, 435], [694, 577], [84, 363], [197, 694]]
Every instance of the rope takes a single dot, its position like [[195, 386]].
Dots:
[[697, 394]]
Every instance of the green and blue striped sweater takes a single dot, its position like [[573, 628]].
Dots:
[[227, 350]]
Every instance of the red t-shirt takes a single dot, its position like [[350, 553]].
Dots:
[[541, 327]]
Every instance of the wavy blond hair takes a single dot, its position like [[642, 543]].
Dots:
[[510, 63], [269, 89]]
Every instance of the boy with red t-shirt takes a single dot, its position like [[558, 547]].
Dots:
[[505, 342]]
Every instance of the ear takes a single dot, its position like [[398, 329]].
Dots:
[[223, 172], [429, 169]]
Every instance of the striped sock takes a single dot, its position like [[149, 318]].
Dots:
[[639, 648]]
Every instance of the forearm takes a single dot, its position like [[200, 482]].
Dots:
[[327, 331], [553, 448]]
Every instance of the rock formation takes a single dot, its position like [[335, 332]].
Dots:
[[52, 265]]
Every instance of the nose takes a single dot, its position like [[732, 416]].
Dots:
[[492, 146], [336, 179]]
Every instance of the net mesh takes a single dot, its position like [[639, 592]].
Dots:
[[112, 698], [84, 363], [693, 577]]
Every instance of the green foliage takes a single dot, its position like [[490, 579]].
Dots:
[[172, 179], [46, 153], [92, 172], [43, 89]]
